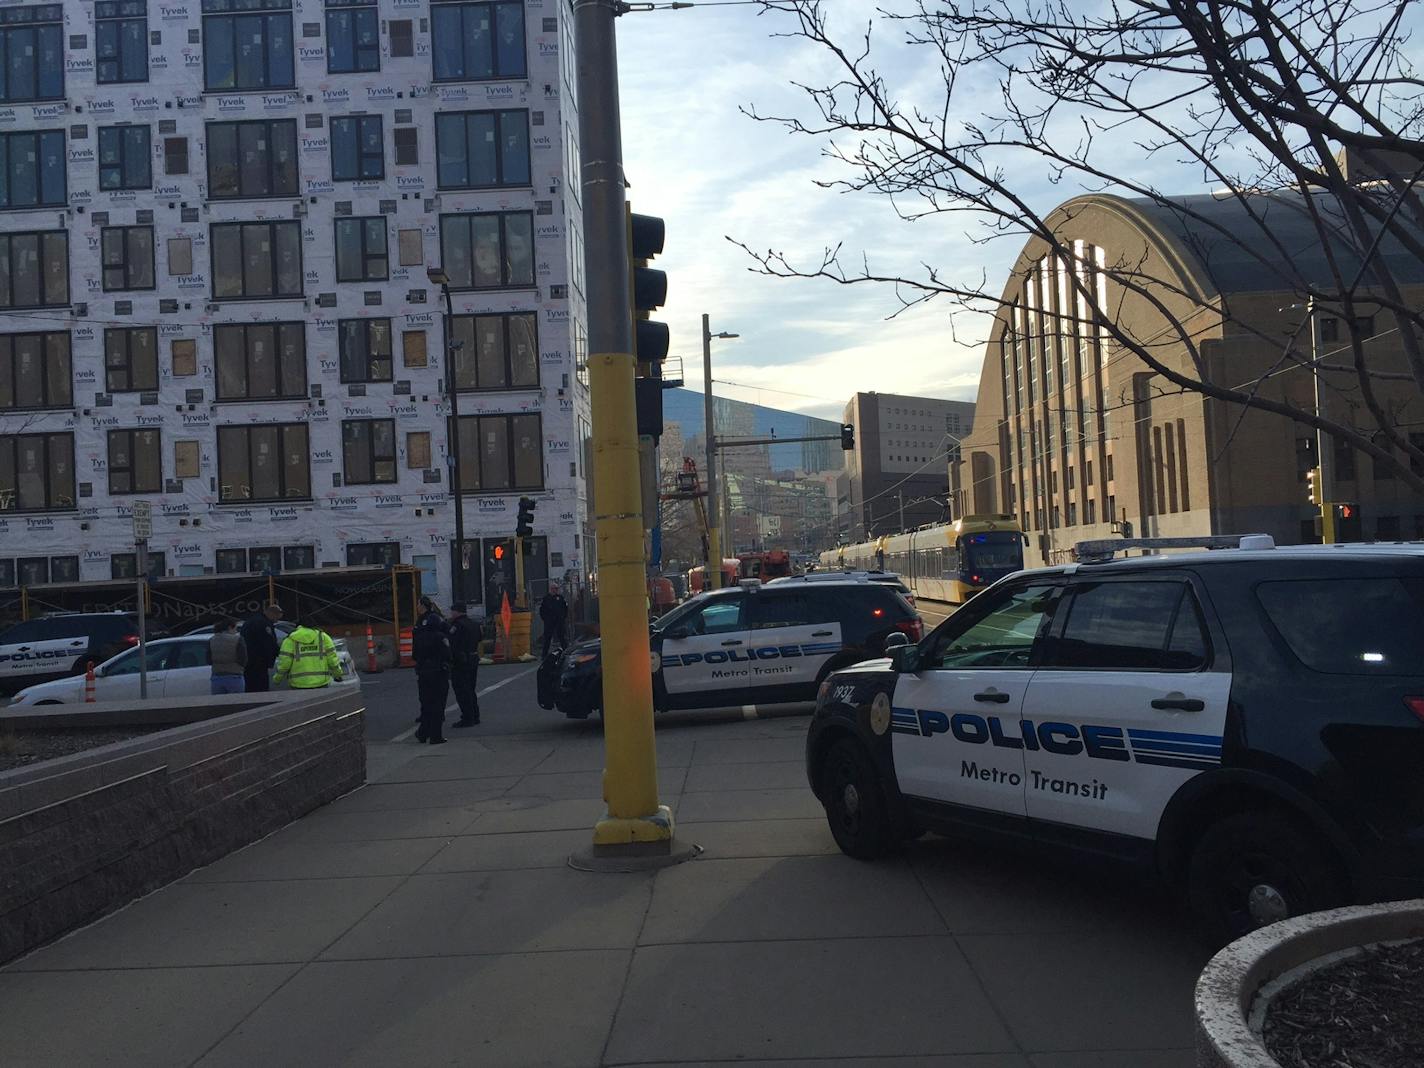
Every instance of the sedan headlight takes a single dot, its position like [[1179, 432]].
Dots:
[[578, 659]]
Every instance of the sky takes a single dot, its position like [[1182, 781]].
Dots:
[[693, 157]]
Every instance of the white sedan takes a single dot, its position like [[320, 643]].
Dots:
[[177, 667]]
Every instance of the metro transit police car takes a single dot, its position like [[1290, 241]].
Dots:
[[751, 645], [1247, 723]]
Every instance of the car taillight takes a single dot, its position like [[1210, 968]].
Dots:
[[912, 627], [877, 612], [130, 639], [1416, 705]]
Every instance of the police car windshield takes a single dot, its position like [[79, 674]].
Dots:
[[682, 612]]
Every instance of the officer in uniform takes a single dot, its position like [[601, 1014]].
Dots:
[[465, 665], [308, 659], [431, 646]]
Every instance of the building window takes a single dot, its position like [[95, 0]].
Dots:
[[402, 38], [39, 570], [260, 361], [413, 349], [353, 42], [368, 451], [125, 566], [32, 54], [361, 254], [180, 256], [127, 257], [411, 244], [35, 371], [496, 351], [124, 158], [187, 459], [120, 41], [482, 149], [185, 357], [365, 350], [32, 170], [247, 44], [478, 41], [1344, 461], [131, 359], [263, 463], [267, 559], [407, 145], [255, 260], [36, 472], [417, 450], [500, 453], [135, 462], [175, 155], [249, 160], [358, 148], [373, 554], [34, 269], [1331, 328], [488, 251]]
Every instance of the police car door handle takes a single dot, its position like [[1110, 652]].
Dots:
[[733, 641], [993, 697], [1179, 703], [821, 633]]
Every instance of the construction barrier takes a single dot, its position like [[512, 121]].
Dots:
[[89, 684], [371, 666], [519, 626], [407, 647]]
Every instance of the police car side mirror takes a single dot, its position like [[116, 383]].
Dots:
[[896, 639], [905, 659], [678, 634]]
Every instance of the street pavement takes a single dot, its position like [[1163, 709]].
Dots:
[[431, 918]]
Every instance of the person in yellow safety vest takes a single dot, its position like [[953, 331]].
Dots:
[[309, 659]]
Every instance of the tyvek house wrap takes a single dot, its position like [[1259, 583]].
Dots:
[[190, 523]]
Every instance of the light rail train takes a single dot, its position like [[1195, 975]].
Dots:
[[950, 562]]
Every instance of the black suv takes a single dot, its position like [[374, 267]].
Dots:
[[751, 645], [51, 647], [1247, 724]]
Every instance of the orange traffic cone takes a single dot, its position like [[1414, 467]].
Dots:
[[89, 684]]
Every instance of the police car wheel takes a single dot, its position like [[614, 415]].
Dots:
[[855, 804], [1255, 868]]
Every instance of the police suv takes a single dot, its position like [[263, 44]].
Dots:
[[1247, 723], [53, 646], [751, 645]]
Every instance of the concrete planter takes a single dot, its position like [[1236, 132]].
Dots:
[[1239, 981], [84, 834]]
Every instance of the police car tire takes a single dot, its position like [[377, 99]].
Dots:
[[862, 827], [1257, 848]]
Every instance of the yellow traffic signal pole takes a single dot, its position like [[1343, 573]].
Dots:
[[1323, 462], [635, 827]]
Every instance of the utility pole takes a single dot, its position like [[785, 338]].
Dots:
[[900, 495], [634, 826], [1323, 461], [714, 539], [452, 437], [142, 531]]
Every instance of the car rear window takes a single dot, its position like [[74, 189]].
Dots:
[[1371, 626]]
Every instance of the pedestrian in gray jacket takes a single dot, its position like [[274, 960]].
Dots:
[[228, 653]]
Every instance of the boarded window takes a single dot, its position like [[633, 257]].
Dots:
[[413, 345], [185, 459], [180, 255], [185, 357], [412, 248], [175, 155], [417, 450]]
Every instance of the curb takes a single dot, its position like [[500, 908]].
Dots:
[[1234, 978]]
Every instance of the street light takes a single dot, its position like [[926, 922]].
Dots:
[[714, 540], [438, 277]]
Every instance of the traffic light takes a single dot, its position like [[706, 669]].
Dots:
[[1348, 523], [645, 240], [498, 553], [847, 436], [524, 525], [1313, 487]]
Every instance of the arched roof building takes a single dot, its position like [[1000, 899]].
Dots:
[[1076, 434]]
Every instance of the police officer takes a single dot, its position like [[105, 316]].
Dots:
[[465, 665], [431, 646], [553, 612], [259, 634], [309, 659]]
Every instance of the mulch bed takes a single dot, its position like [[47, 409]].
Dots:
[[32, 746], [1365, 1012]]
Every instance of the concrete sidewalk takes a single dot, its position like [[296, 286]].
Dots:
[[430, 918]]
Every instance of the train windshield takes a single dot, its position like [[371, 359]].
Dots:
[[994, 552]]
